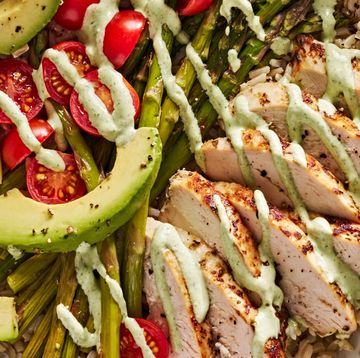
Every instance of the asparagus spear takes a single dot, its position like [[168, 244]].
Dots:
[[36, 345], [111, 318], [80, 310], [40, 299], [186, 74], [9, 264], [65, 295], [29, 271]]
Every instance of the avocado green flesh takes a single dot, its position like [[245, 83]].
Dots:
[[30, 225], [8, 320], [21, 20]]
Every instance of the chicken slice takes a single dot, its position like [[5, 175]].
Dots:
[[309, 66], [308, 294], [231, 314], [270, 101], [320, 190], [195, 337], [190, 206]]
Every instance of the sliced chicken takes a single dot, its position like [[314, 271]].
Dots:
[[309, 66], [347, 242], [231, 314], [308, 295], [195, 337], [191, 207], [320, 190], [270, 100]]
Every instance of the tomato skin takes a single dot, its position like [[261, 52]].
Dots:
[[16, 81], [153, 334], [192, 7], [79, 113], [14, 151], [121, 36], [59, 90], [71, 13], [49, 187]]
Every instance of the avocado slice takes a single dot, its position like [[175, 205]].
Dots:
[[21, 20], [33, 226], [9, 329]]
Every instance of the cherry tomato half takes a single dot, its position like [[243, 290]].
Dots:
[[79, 113], [192, 7], [17, 82], [59, 90], [121, 36], [154, 336], [71, 13], [14, 151], [51, 187]]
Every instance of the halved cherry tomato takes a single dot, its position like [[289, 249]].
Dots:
[[154, 336], [51, 187], [17, 82], [79, 113], [192, 7], [121, 36], [71, 13], [59, 90], [14, 151]]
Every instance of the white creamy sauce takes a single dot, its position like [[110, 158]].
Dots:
[[160, 14], [15, 252], [167, 238], [234, 60], [46, 157], [341, 78], [37, 76], [281, 45], [325, 9], [86, 261], [246, 8]]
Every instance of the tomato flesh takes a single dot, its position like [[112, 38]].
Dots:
[[192, 7], [79, 113], [51, 187], [71, 13], [17, 82], [121, 36], [59, 90], [154, 336], [14, 151]]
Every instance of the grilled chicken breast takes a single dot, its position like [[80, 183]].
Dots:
[[270, 101], [309, 66], [320, 190], [231, 314], [308, 294], [195, 337]]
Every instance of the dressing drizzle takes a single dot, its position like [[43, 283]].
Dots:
[[166, 237]]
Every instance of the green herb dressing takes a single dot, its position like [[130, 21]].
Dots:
[[341, 79], [166, 238], [86, 261], [325, 9], [267, 324], [160, 14], [46, 157], [233, 59], [246, 8], [281, 45]]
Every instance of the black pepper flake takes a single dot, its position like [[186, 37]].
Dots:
[[18, 28], [91, 205], [143, 165], [150, 158], [263, 173], [44, 231], [50, 212], [33, 232], [96, 206]]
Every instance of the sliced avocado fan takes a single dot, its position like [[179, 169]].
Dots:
[[21, 20], [31, 226]]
